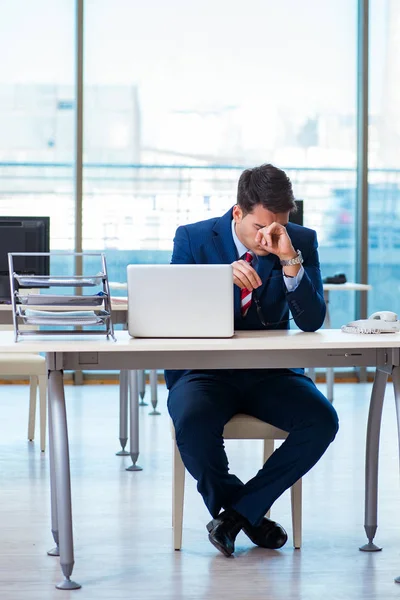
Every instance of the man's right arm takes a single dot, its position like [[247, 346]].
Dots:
[[182, 253]]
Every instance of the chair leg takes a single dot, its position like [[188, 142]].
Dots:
[[268, 450], [33, 380], [296, 498], [43, 410], [178, 491]]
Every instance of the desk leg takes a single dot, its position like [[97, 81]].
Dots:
[[153, 391], [372, 459], [134, 420], [123, 412], [142, 383], [53, 493], [330, 380], [58, 423], [396, 385], [330, 375], [311, 374], [142, 387]]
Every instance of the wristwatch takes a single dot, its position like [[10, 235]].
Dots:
[[298, 260]]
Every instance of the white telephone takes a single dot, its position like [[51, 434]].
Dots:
[[384, 321]]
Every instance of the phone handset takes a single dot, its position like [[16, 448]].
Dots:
[[384, 315], [384, 321]]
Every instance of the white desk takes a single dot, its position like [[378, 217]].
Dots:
[[119, 309], [341, 287], [325, 348], [327, 287], [349, 286]]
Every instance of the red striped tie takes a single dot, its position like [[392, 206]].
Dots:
[[245, 298]]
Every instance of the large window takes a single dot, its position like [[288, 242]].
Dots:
[[384, 173], [180, 96], [36, 114]]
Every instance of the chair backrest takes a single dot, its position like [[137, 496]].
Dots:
[[298, 216]]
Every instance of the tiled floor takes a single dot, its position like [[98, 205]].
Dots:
[[122, 520]]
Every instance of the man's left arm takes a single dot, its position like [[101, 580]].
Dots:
[[306, 301], [305, 295]]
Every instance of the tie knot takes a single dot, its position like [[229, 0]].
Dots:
[[248, 257]]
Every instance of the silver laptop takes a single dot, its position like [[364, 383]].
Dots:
[[180, 301]]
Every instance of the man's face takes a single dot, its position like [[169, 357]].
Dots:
[[247, 227]]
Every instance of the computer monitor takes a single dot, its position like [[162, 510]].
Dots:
[[297, 217], [23, 234]]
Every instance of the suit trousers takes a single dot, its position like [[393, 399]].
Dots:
[[202, 402]]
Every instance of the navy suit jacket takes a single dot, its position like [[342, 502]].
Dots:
[[211, 242]]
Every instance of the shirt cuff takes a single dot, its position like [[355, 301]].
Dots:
[[293, 282]]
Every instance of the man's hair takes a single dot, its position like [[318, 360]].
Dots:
[[266, 185]]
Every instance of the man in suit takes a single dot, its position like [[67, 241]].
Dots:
[[275, 269]]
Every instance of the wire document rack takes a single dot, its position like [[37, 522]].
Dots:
[[75, 311]]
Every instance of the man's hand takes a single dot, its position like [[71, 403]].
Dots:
[[244, 276], [276, 240]]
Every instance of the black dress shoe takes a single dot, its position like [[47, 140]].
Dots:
[[267, 535], [223, 530]]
